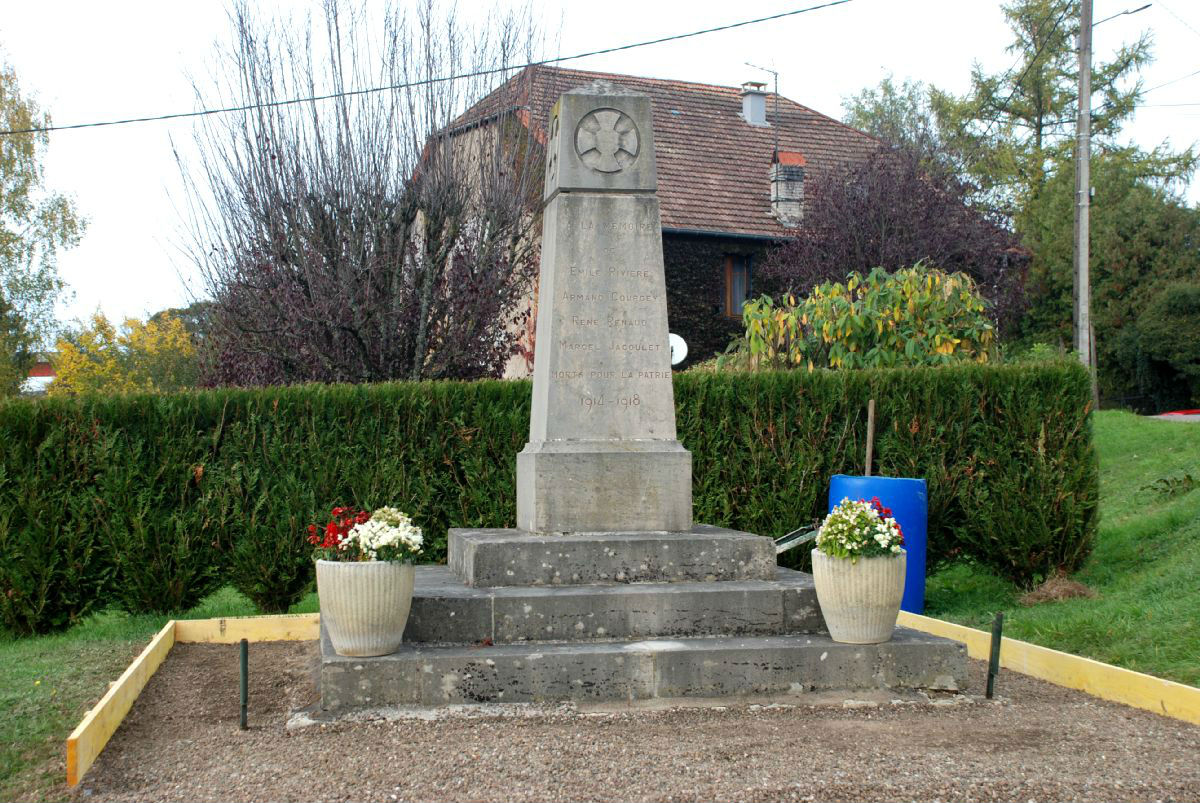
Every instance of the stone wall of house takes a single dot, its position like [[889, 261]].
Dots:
[[695, 268]]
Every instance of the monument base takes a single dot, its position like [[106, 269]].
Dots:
[[604, 486], [509, 557], [428, 675], [520, 617]]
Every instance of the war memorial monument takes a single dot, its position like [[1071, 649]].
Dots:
[[606, 590]]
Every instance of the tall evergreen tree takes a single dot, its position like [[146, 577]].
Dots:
[[1011, 138], [1010, 129]]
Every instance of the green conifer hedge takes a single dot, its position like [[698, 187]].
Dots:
[[152, 501]]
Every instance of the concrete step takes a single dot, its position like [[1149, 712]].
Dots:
[[493, 557], [444, 611], [636, 670]]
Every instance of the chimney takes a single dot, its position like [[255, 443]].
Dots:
[[754, 103], [787, 187]]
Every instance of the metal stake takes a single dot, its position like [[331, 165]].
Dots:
[[244, 655], [994, 659], [870, 435]]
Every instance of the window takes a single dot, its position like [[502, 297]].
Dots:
[[737, 283]]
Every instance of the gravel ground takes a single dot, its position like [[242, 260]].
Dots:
[[1038, 742]]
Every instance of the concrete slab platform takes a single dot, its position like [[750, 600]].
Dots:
[[509, 557], [444, 611], [637, 670]]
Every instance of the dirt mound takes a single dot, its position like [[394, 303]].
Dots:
[[1056, 589]]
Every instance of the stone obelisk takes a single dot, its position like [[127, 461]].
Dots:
[[602, 453]]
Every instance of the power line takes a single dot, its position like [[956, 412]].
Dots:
[[1017, 84], [425, 81], [1172, 81], [1125, 13], [1108, 103], [1182, 21]]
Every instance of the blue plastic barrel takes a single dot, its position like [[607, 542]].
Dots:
[[910, 507]]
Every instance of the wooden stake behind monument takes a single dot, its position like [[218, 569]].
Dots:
[[602, 453]]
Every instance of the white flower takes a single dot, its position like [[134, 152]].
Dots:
[[854, 528], [390, 533]]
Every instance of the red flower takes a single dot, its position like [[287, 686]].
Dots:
[[884, 513], [332, 534]]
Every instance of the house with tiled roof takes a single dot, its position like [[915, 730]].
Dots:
[[41, 375], [732, 164]]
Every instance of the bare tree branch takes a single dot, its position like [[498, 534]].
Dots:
[[364, 237]]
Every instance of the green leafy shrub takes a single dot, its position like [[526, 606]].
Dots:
[[915, 316], [178, 492], [1154, 359], [1169, 331]]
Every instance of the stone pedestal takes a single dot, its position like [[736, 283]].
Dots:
[[602, 453], [604, 486], [493, 558]]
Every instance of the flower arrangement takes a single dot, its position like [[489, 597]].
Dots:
[[860, 529], [387, 534]]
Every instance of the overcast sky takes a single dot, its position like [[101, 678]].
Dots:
[[87, 61]]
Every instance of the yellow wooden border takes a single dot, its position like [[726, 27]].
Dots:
[[100, 723], [1098, 679], [285, 627]]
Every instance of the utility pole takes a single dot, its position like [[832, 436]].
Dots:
[[1083, 191]]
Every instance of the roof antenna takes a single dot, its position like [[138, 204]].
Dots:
[[775, 75]]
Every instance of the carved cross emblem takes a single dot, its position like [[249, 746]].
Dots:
[[606, 140]]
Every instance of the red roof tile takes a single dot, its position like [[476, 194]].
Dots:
[[712, 165]]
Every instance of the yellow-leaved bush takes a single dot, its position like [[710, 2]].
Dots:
[[158, 355], [915, 316]]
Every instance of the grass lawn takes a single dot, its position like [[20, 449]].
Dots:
[[1146, 614], [1145, 569]]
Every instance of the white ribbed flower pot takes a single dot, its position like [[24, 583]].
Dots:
[[365, 604], [860, 600]]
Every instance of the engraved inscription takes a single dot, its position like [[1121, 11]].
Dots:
[[614, 273], [615, 226], [567, 375], [611, 296], [609, 339], [592, 402], [607, 140]]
